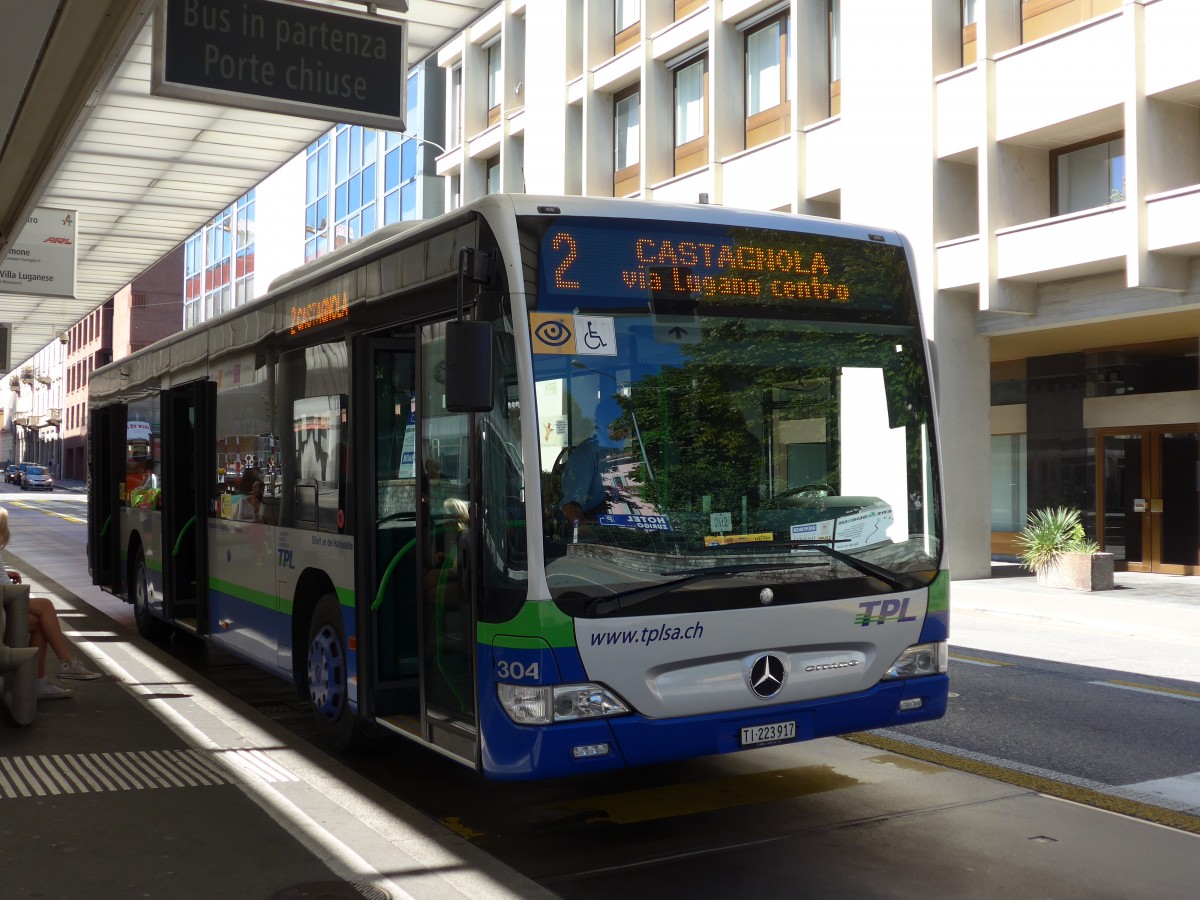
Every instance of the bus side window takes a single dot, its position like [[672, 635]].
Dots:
[[312, 477]]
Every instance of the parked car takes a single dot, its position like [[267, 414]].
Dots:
[[37, 478], [10, 473], [20, 471]]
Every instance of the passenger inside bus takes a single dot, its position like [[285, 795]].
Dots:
[[251, 508], [142, 484]]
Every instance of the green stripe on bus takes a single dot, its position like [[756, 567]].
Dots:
[[537, 619], [269, 601], [258, 598], [939, 592]]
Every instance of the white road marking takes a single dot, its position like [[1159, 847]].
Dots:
[[1183, 789]]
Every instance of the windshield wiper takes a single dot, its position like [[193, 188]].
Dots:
[[897, 581], [602, 606]]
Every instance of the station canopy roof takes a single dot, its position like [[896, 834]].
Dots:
[[80, 130]]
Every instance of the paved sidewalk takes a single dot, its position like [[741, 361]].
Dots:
[[1150, 624]]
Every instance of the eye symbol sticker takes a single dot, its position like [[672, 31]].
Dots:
[[553, 332]]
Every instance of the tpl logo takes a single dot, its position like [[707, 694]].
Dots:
[[283, 559], [876, 612]]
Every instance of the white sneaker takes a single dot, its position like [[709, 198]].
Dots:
[[49, 691], [77, 671]]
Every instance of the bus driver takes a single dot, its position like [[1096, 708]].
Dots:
[[583, 492]]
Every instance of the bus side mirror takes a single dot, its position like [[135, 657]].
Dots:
[[468, 366]]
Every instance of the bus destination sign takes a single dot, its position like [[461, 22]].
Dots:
[[590, 258], [319, 312]]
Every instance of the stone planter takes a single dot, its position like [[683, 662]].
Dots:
[[1079, 572]]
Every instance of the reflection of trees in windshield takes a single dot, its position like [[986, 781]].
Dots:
[[696, 435], [707, 424]]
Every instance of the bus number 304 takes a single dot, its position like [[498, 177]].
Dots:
[[516, 671]]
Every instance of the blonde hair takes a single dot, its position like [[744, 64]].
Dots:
[[5, 534]]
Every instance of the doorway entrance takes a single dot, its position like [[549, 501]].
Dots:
[[1148, 492], [422, 616]]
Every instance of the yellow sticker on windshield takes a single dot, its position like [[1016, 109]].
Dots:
[[553, 332]]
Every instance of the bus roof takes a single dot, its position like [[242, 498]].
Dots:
[[145, 367]]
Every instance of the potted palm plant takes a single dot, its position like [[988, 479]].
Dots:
[[1055, 546]]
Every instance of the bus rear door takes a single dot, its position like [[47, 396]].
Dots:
[[106, 478]]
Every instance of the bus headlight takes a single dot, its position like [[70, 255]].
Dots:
[[920, 659], [541, 705]]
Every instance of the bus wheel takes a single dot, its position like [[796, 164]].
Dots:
[[329, 676], [148, 626]]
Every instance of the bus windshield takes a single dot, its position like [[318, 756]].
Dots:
[[746, 403]]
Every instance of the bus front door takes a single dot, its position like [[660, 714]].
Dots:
[[421, 612], [187, 429], [447, 537]]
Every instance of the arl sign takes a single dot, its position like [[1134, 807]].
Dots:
[[283, 57]]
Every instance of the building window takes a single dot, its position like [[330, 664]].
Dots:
[[399, 178], [767, 107], [968, 32], [835, 57], [1045, 17], [355, 151], [316, 211], [1089, 175], [627, 24], [193, 280], [686, 7], [494, 77], [243, 248], [493, 175], [454, 112], [1010, 489], [626, 141], [218, 250], [691, 115]]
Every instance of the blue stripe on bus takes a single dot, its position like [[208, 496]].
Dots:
[[246, 616], [936, 627], [517, 752]]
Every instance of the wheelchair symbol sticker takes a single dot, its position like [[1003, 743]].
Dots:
[[595, 336]]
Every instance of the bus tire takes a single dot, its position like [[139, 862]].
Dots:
[[329, 676], [148, 625]]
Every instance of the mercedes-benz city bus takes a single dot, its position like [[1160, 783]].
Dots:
[[747, 395]]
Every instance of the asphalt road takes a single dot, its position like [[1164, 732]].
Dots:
[[751, 822], [1100, 725], [1074, 722]]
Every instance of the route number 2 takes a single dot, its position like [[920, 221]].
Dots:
[[516, 671], [561, 281]]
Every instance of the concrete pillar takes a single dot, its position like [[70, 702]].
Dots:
[[890, 130]]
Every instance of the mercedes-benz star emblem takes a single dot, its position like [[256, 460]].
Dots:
[[767, 676]]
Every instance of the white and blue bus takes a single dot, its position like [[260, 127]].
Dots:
[[367, 482]]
